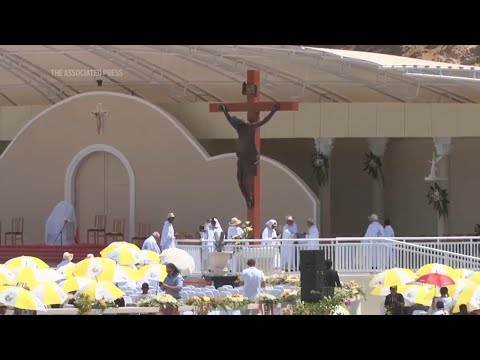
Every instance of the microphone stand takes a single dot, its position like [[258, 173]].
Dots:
[[60, 234]]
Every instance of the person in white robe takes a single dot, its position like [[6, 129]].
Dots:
[[272, 247], [312, 233], [61, 225], [374, 230], [389, 233], [234, 231], [288, 247], [213, 233], [151, 243], [168, 233]]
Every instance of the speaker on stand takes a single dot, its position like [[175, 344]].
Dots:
[[312, 275]]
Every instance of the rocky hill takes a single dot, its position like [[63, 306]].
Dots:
[[457, 54]]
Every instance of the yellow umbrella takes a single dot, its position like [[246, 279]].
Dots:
[[123, 253], [475, 277], [418, 294], [462, 273], [436, 268], [67, 270], [119, 274], [155, 272], [6, 276], [20, 298], [469, 297], [93, 267], [50, 293], [460, 285], [392, 277], [30, 275], [75, 283], [148, 257], [29, 261], [99, 290]]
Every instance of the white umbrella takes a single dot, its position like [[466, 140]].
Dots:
[[180, 258], [20, 298]]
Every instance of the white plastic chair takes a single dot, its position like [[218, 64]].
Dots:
[[215, 293], [227, 287], [235, 292], [224, 293], [209, 293]]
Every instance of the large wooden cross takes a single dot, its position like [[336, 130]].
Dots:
[[253, 107]]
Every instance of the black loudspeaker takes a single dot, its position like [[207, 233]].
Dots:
[[312, 275]]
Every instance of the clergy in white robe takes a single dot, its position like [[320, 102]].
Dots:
[[151, 243], [374, 230], [312, 233], [214, 231], [168, 233], [272, 247], [288, 247]]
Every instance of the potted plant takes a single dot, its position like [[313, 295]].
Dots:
[[218, 260]]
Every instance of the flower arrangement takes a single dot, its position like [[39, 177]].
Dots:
[[160, 301], [290, 296], [283, 279], [320, 166], [373, 166], [438, 198], [84, 304], [202, 304], [264, 298], [350, 291], [219, 242], [236, 301], [247, 230], [325, 306]]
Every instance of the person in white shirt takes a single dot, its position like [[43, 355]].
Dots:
[[151, 243], [389, 233], [168, 233], [252, 280], [312, 233], [445, 299], [272, 247], [288, 248], [234, 229], [440, 309], [375, 229]]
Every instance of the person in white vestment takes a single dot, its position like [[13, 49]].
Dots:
[[272, 247], [168, 233], [312, 233], [234, 231], [375, 229], [151, 243], [61, 225], [389, 233], [213, 232], [288, 247]]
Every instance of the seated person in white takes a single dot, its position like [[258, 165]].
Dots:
[[445, 298], [440, 309]]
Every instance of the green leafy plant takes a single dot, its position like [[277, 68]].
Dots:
[[321, 166], [438, 198], [373, 166]]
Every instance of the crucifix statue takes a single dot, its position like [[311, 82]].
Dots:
[[99, 114], [248, 153]]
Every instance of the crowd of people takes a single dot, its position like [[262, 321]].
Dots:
[[441, 305]]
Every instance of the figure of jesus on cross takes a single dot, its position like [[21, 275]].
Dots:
[[248, 153], [99, 115]]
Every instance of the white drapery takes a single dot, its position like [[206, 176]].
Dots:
[[61, 225]]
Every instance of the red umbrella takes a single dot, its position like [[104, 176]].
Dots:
[[436, 279]]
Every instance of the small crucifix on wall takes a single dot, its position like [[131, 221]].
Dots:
[[100, 115]]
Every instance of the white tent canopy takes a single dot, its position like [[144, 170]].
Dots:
[[61, 225]]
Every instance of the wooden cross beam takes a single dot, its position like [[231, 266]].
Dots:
[[253, 107]]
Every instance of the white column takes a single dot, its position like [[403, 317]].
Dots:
[[443, 147], [325, 145], [378, 146]]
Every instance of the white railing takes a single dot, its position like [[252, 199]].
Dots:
[[349, 255]]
